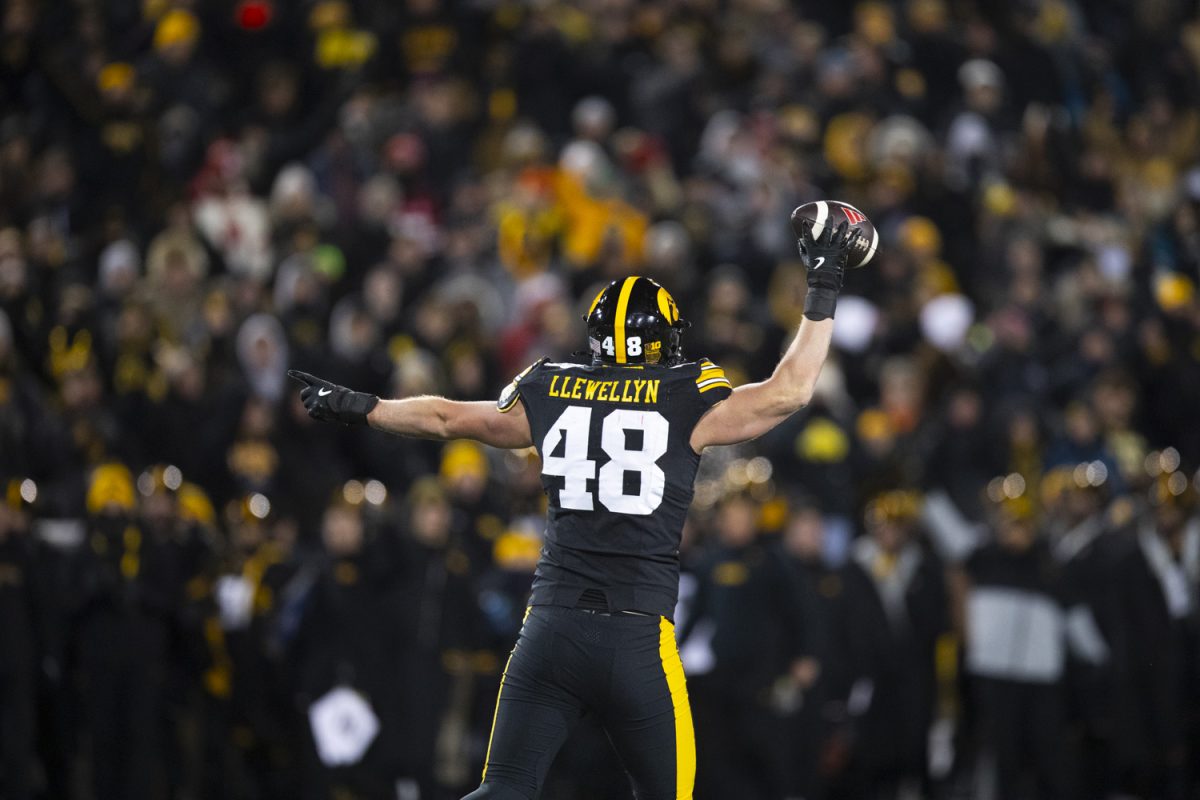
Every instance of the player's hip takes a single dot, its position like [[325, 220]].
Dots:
[[653, 593], [593, 659], [627, 630]]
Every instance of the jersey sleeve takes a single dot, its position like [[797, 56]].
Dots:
[[711, 384], [512, 392]]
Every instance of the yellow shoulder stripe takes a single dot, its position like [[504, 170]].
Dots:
[[711, 376], [708, 372], [714, 383]]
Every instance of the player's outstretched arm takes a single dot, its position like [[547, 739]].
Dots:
[[426, 417], [438, 418], [753, 409]]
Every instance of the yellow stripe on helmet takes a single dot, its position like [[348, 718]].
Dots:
[[666, 305], [596, 302], [619, 321]]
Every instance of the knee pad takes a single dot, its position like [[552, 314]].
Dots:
[[494, 791]]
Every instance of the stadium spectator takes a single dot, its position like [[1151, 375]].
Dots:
[[1161, 570], [1087, 549], [126, 587], [820, 674], [18, 665], [1013, 607], [896, 609], [748, 608]]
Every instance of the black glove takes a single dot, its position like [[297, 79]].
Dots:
[[329, 402], [825, 257]]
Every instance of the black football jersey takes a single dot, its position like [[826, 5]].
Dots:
[[618, 468]]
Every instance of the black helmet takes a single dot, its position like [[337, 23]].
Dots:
[[634, 321]]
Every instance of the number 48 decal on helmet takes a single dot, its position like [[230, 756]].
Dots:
[[633, 345]]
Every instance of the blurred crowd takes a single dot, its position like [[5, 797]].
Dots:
[[970, 569]]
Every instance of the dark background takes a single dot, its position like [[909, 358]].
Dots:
[[983, 526]]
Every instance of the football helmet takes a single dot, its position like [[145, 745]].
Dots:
[[634, 320]]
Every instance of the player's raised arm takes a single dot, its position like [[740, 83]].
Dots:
[[425, 417], [753, 409]]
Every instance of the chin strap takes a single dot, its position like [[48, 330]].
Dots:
[[585, 357]]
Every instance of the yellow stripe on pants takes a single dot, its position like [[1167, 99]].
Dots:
[[499, 692], [685, 737]]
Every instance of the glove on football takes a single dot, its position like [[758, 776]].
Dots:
[[825, 257]]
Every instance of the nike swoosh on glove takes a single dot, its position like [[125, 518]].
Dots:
[[825, 257], [329, 402]]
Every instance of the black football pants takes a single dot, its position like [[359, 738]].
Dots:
[[624, 669]]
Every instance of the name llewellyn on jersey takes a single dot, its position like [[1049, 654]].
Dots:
[[629, 390]]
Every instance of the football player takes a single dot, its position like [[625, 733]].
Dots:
[[620, 439]]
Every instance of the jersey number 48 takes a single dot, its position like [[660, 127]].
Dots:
[[573, 429]]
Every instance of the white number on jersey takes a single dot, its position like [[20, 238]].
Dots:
[[574, 426], [572, 430], [651, 479]]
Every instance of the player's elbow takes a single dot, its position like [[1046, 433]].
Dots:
[[449, 425], [793, 405], [791, 396], [775, 412], [442, 422]]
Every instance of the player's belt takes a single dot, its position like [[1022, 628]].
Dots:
[[594, 601]]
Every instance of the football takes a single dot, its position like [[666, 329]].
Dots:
[[834, 213]]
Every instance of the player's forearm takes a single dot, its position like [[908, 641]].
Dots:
[[425, 417], [790, 387], [430, 417]]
